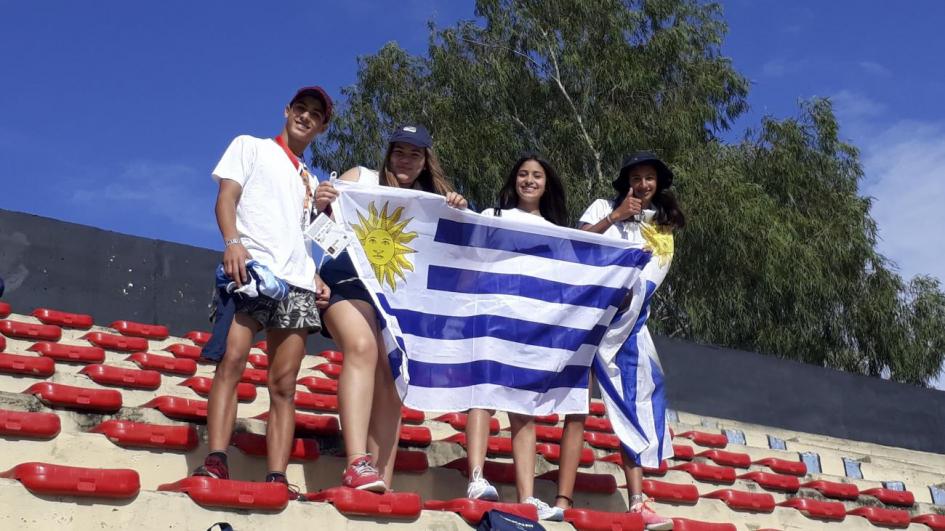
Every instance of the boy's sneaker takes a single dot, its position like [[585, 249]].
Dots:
[[480, 489], [362, 475], [545, 511], [213, 467], [651, 520], [294, 492]]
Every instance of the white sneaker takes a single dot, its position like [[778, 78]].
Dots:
[[480, 489], [545, 511]]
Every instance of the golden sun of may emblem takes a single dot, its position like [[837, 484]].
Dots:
[[659, 242], [384, 242]]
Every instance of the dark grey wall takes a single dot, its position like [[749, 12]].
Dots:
[[113, 276]]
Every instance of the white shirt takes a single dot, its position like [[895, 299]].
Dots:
[[517, 214], [270, 210], [625, 230]]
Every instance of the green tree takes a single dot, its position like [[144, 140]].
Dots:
[[780, 252]]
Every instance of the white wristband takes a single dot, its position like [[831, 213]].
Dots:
[[231, 241]]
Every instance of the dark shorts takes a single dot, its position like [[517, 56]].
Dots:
[[342, 279], [295, 312]]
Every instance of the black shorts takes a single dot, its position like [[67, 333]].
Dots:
[[295, 312], [342, 279]]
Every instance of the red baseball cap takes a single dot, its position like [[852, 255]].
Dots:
[[317, 92]]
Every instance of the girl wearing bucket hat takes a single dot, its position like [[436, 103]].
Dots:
[[644, 211], [368, 401]]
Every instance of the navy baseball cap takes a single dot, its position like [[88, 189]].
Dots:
[[415, 135], [318, 93], [664, 175]]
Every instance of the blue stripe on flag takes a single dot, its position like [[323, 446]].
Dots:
[[450, 375], [659, 405], [482, 283], [576, 251]]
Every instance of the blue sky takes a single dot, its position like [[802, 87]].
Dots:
[[113, 113]]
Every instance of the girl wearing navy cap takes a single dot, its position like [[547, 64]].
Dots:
[[368, 401], [532, 193], [644, 211]]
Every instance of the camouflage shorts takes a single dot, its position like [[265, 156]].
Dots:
[[297, 311]]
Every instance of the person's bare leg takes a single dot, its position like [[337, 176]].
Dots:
[[221, 404], [384, 428], [353, 326], [634, 474], [477, 437], [523, 454], [286, 350], [572, 442]]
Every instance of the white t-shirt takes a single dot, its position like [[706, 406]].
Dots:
[[625, 230], [517, 214], [368, 176], [270, 210]]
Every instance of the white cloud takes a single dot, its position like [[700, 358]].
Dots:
[[874, 68], [782, 67]]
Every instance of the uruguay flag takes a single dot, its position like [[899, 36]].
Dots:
[[481, 312]]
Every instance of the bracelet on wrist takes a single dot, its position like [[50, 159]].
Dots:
[[231, 241]]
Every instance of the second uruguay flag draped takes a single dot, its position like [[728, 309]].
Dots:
[[485, 312]]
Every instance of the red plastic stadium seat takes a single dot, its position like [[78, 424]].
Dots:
[[411, 461], [902, 498], [415, 436], [5, 309], [331, 370], [126, 433], [835, 490], [3, 343], [166, 364], [590, 520], [683, 452], [817, 509], [458, 422], [121, 377], [210, 492], [783, 466], [548, 433], [599, 439], [883, 517], [712, 440], [472, 510], [547, 419], [175, 407], [670, 492], [773, 481], [148, 331], [28, 424], [36, 366], [63, 319], [319, 385], [201, 385], [360, 503], [316, 401], [253, 444], [74, 353], [707, 472], [102, 400], [597, 408], [935, 522], [59, 480], [598, 424], [685, 524], [411, 416], [759, 502], [552, 452], [259, 361], [31, 331], [585, 482], [333, 356], [262, 345], [324, 425], [616, 459], [254, 376], [116, 342], [723, 458], [180, 350], [198, 337]]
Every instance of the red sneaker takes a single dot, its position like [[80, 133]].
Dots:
[[213, 467], [651, 520], [362, 475]]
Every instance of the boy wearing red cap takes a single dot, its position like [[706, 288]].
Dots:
[[263, 207]]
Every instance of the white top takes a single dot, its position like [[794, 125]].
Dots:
[[517, 214], [625, 230], [368, 176], [270, 211]]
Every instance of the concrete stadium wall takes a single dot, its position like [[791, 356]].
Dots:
[[65, 266]]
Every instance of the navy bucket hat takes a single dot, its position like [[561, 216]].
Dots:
[[664, 175]]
